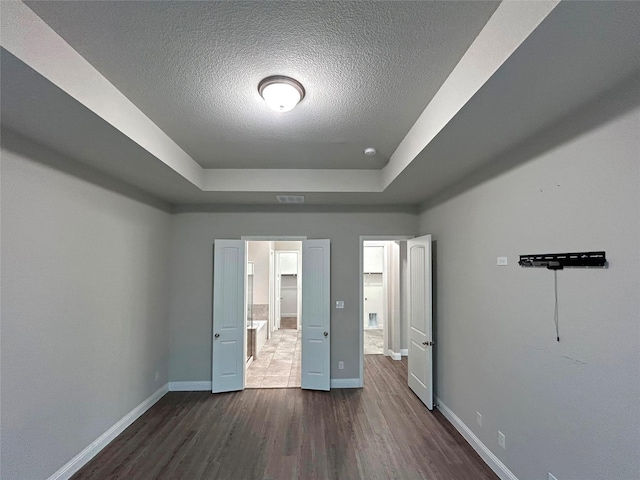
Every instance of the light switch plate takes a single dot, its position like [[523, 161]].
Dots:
[[502, 261], [339, 304], [502, 441]]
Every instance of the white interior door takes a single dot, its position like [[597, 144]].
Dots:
[[229, 323], [420, 319], [316, 309]]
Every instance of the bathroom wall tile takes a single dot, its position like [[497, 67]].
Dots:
[[260, 311]]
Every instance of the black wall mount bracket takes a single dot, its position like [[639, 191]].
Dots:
[[558, 261]]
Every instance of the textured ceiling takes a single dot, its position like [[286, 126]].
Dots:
[[549, 89], [369, 68]]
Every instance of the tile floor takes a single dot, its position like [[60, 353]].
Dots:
[[373, 342], [279, 362], [288, 323]]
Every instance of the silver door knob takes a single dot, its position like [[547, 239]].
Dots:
[[217, 335], [326, 334]]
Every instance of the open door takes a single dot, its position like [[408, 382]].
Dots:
[[316, 309], [420, 319], [229, 323]]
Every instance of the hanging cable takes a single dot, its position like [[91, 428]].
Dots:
[[555, 313]]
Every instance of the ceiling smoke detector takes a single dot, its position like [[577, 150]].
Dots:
[[370, 151], [290, 198], [280, 93]]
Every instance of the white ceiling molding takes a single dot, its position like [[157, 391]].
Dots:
[[275, 180], [54, 59], [29, 38], [508, 27]]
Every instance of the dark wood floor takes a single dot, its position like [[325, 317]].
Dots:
[[379, 432]]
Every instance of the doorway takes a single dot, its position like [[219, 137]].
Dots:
[[230, 315], [383, 297], [288, 285], [404, 280], [376, 299], [274, 337]]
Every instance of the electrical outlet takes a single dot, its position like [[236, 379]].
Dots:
[[502, 441], [551, 477], [501, 261], [340, 365], [157, 375], [478, 418], [339, 304]]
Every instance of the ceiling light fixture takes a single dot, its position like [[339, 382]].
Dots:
[[281, 93]]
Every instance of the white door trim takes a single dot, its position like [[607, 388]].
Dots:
[[369, 238], [267, 238], [386, 317]]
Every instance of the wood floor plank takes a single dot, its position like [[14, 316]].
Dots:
[[381, 431]]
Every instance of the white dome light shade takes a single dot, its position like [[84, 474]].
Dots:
[[281, 94]]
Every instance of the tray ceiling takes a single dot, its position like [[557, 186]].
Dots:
[[163, 95]]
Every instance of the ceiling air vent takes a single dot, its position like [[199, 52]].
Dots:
[[290, 198]]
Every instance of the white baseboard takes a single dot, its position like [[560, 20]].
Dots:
[[346, 383], [206, 386], [81, 459], [404, 352], [487, 455], [203, 386], [394, 355]]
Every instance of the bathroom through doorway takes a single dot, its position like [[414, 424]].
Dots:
[[274, 286]]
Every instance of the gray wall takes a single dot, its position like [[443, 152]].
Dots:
[[569, 408], [258, 253], [84, 308], [191, 276]]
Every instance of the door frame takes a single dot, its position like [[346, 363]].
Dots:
[[370, 238], [385, 289], [273, 238]]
